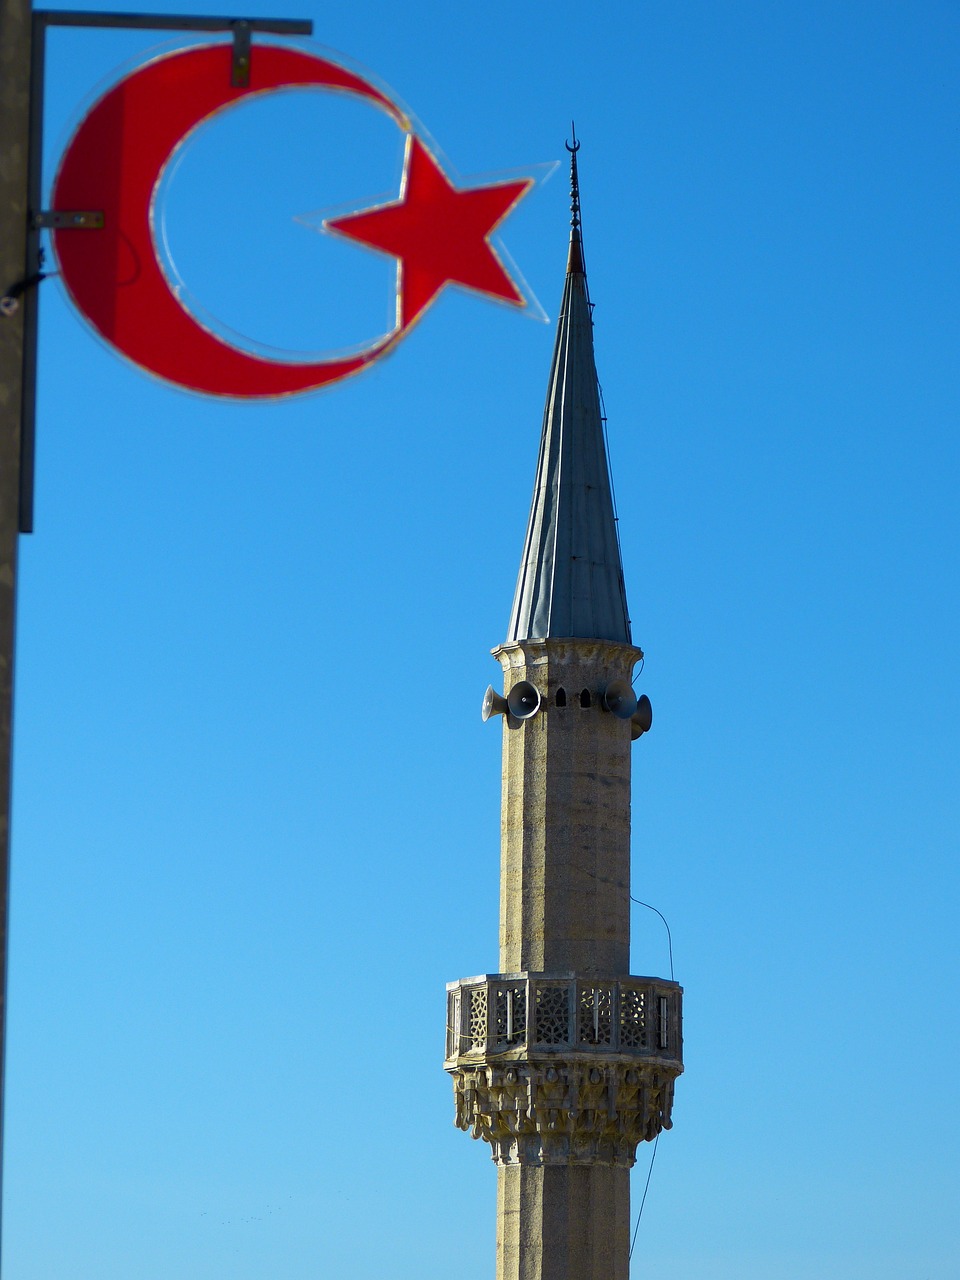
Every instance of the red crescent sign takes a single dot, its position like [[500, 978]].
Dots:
[[437, 232]]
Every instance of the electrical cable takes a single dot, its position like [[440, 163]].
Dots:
[[643, 1199], [665, 925]]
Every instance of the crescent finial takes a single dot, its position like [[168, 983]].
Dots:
[[573, 148]]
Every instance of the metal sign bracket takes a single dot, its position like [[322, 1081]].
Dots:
[[240, 67], [76, 219]]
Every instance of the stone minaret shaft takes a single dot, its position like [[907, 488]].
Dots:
[[563, 1061], [565, 816]]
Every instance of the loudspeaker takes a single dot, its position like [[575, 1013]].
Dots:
[[524, 700], [493, 704], [619, 698], [642, 718]]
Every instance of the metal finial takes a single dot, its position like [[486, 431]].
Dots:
[[573, 148], [575, 257]]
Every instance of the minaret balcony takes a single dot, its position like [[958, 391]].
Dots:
[[563, 1069], [511, 1015]]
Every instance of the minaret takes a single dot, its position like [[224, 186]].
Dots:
[[562, 1061]]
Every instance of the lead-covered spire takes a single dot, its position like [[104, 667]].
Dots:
[[571, 577]]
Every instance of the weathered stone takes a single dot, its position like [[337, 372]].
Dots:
[[555, 1069], [569, 1113], [565, 813], [563, 1222]]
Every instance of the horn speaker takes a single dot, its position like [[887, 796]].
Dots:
[[493, 704], [642, 718], [619, 698], [524, 700]]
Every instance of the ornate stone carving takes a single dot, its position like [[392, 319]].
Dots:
[[555, 1069], [522, 654], [555, 1112]]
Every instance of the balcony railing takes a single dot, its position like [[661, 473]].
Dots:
[[517, 1015]]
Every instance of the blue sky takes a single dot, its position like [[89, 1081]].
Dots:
[[256, 812]]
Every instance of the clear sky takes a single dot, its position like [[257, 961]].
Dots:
[[256, 812]]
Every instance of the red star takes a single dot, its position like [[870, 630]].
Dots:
[[438, 233]]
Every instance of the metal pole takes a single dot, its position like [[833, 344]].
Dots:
[[15, 23], [22, 39], [30, 298]]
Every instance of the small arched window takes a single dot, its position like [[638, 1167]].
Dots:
[[585, 698], [561, 698]]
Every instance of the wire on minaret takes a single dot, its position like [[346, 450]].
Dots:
[[646, 1188], [650, 907]]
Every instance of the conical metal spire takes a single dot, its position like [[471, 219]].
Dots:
[[571, 577]]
